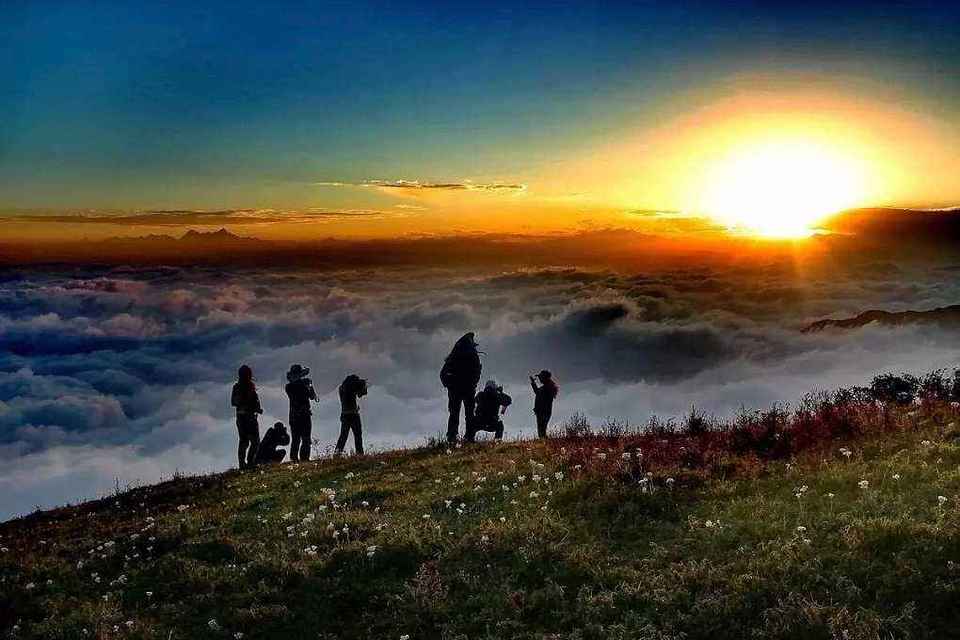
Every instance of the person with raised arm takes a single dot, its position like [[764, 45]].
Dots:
[[543, 397]]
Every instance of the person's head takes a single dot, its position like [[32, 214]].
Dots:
[[297, 372], [245, 374], [545, 376], [491, 385], [278, 426], [467, 342], [355, 384]]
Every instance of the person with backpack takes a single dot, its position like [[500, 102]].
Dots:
[[300, 392], [351, 390], [269, 451], [543, 397], [459, 376], [491, 404], [244, 397]]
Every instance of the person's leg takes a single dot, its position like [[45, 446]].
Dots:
[[358, 436], [499, 432], [244, 442], [543, 419], [305, 430], [294, 439], [278, 455], [254, 437], [469, 404], [344, 432], [453, 422]]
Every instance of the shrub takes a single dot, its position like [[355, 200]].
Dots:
[[936, 386], [894, 389], [614, 428], [577, 426], [696, 422]]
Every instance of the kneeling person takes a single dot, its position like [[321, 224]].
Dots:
[[491, 403], [269, 450]]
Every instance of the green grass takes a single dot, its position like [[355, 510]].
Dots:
[[438, 544]]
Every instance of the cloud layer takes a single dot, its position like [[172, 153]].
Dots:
[[124, 373]]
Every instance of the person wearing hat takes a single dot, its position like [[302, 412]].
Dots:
[[543, 397], [244, 397], [300, 391], [491, 403], [269, 450]]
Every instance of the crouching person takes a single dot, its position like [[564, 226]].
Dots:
[[351, 390], [491, 403], [270, 446]]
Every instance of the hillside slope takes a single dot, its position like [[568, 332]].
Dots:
[[662, 535]]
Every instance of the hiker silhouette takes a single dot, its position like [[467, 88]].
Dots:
[[269, 450], [351, 390], [460, 375], [244, 397], [300, 391], [543, 397], [491, 403]]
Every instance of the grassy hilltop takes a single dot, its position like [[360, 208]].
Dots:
[[836, 519]]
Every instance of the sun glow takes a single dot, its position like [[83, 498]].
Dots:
[[780, 189]]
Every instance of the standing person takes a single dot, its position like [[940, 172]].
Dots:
[[492, 403], [244, 397], [269, 450], [543, 397], [351, 390], [460, 375], [300, 391]]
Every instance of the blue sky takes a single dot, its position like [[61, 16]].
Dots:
[[126, 104]]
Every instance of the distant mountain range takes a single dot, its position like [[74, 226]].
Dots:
[[192, 237], [943, 316]]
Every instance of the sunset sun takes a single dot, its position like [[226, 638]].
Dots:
[[780, 189]]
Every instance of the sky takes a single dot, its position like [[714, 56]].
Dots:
[[446, 117]]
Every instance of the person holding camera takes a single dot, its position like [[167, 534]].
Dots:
[[270, 450], [351, 390], [491, 404], [300, 391]]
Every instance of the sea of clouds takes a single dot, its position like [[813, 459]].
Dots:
[[117, 376]]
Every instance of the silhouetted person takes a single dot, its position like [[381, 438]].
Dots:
[[460, 375], [269, 450], [351, 390], [543, 397], [244, 397], [300, 391], [492, 403]]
